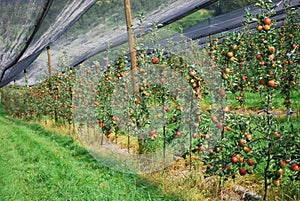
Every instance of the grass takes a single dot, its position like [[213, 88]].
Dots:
[[190, 20], [253, 102], [36, 164]]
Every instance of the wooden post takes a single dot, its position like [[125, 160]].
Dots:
[[131, 46], [26, 79], [49, 61], [133, 63]]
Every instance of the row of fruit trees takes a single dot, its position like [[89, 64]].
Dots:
[[263, 61]]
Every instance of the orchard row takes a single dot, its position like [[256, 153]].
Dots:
[[263, 61]]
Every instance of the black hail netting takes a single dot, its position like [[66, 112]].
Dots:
[[233, 21], [27, 27]]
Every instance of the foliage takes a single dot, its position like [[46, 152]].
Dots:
[[262, 61]]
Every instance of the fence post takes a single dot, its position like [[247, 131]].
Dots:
[[49, 61], [132, 60], [26, 79]]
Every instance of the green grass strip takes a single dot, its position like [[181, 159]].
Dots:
[[36, 164]]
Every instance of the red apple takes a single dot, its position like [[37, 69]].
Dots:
[[166, 109], [214, 118], [262, 81], [222, 92], [279, 172], [282, 163], [192, 73], [277, 134], [271, 83], [271, 49], [206, 137], [247, 149], [267, 21], [152, 132], [230, 54], [259, 57], [248, 137], [155, 60], [271, 56], [241, 142], [250, 162], [276, 183], [266, 27], [224, 76], [226, 70], [231, 59], [179, 108], [234, 159], [242, 171], [259, 28], [178, 133], [234, 47], [219, 125], [294, 167]]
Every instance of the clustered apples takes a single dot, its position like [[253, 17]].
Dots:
[[196, 82], [230, 55], [265, 24], [236, 159], [263, 62]]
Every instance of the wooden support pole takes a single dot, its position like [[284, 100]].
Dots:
[[134, 69], [49, 61], [25, 78], [131, 46]]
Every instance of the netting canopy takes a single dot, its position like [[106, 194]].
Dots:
[[29, 26], [85, 28]]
